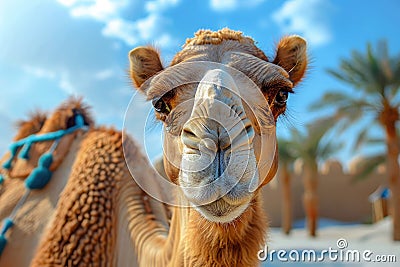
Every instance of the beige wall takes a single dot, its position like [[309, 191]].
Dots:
[[341, 198]]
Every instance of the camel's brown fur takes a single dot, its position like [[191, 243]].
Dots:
[[233, 244], [82, 232], [290, 56], [63, 116], [147, 64]]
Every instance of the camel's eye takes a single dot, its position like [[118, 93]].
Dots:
[[282, 97], [161, 106]]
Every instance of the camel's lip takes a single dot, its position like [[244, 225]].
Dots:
[[221, 211]]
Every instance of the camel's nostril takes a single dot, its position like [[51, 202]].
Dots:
[[188, 133], [209, 143], [189, 139], [248, 128]]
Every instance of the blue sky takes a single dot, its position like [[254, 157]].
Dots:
[[52, 49]]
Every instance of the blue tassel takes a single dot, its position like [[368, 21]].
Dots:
[[3, 243], [24, 153], [13, 149], [1, 179], [7, 164], [41, 175], [46, 160], [8, 223], [79, 121]]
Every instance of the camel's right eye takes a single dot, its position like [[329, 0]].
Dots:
[[161, 106]]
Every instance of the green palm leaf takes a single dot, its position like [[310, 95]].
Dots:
[[368, 166]]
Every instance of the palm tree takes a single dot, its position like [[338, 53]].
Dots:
[[312, 147], [286, 159], [375, 78]]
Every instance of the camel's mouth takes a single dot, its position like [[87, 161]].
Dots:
[[221, 211], [220, 192]]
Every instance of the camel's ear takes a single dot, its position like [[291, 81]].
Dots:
[[292, 56], [144, 63]]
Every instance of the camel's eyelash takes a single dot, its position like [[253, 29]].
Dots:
[[154, 122]]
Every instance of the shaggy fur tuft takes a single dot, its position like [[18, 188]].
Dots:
[[63, 117], [82, 232], [203, 37], [31, 125]]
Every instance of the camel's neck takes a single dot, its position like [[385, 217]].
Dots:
[[142, 226], [233, 244], [194, 241]]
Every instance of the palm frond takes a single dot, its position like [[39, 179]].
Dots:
[[341, 100], [361, 138], [368, 166], [309, 144], [328, 149], [286, 153]]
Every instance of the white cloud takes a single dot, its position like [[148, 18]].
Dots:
[[229, 5], [63, 80], [67, 2], [305, 17], [101, 10], [104, 74], [66, 85], [145, 29], [39, 72], [222, 5], [160, 5], [121, 29], [165, 40]]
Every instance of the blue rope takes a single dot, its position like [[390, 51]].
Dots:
[[41, 175], [27, 142]]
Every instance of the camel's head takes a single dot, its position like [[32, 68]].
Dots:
[[219, 102], [38, 124]]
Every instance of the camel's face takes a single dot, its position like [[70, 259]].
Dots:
[[218, 171], [215, 116]]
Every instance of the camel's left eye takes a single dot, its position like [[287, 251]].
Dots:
[[161, 106], [281, 98]]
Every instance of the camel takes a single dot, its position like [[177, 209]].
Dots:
[[212, 144], [103, 217], [32, 217], [68, 199]]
